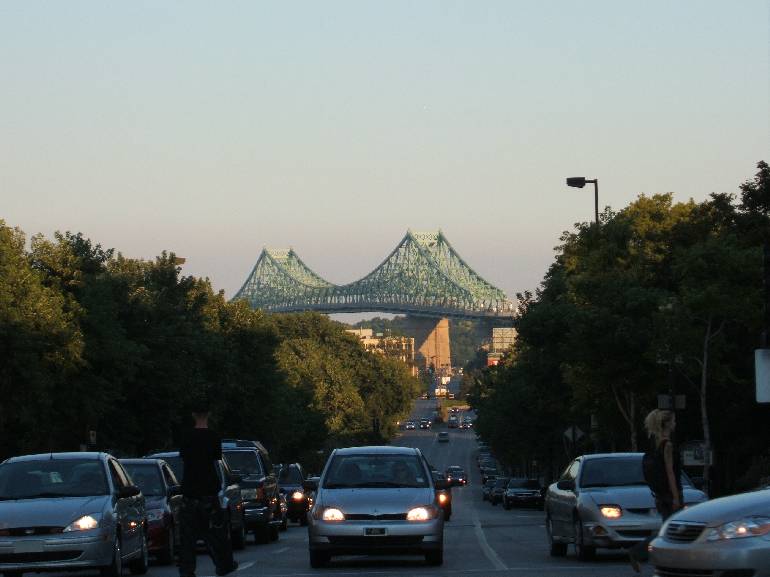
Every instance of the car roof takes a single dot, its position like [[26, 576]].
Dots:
[[140, 461], [377, 450], [84, 456], [595, 456], [163, 455]]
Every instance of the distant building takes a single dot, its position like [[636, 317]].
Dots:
[[502, 340], [401, 348]]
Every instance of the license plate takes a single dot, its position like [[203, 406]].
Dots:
[[31, 546], [375, 531]]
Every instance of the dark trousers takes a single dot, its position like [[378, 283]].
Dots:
[[639, 551], [203, 518]]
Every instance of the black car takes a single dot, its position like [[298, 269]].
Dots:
[[498, 490], [229, 494], [523, 491], [425, 423], [290, 481], [455, 475], [259, 487], [163, 499]]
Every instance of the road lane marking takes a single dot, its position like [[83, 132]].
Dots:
[[281, 550], [245, 566]]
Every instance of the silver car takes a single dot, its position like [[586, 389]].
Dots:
[[376, 500], [70, 511], [727, 536], [603, 501]]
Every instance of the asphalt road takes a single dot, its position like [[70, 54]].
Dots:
[[479, 540]]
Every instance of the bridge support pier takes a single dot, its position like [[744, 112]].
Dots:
[[431, 341]]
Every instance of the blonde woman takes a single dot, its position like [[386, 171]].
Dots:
[[660, 426]]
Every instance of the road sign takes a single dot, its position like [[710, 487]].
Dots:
[[92, 437], [573, 433]]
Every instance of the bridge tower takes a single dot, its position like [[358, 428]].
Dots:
[[431, 341]]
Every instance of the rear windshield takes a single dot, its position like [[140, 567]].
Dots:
[[176, 465], [52, 478], [147, 477], [290, 475], [375, 471], [524, 484], [245, 462]]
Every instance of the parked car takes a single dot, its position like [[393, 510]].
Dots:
[[603, 501], [376, 500], [487, 472], [229, 494], [70, 511], [497, 491], [455, 475], [163, 499], [443, 437], [259, 488], [486, 488], [727, 536], [290, 481], [523, 491]]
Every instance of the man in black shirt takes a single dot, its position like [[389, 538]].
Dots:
[[201, 515]]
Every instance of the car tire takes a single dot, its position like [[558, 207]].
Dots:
[[262, 535], [319, 559], [435, 558], [274, 532], [556, 549], [115, 568], [506, 504], [166, 556], [238, 537], [584, 552], [141, 564], [285, 524]]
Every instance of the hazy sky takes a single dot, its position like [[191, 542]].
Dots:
[[215, 128]]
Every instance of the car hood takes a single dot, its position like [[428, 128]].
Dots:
[[384, 501], [726, 509], [58, 512], [634, 497]]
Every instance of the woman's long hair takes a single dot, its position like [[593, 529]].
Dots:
[[659, 423]]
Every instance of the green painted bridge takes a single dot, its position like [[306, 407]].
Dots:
[[423, 276]]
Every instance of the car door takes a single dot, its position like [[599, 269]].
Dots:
[[230, 494], [174, 492], [561, 502], [129, 511], [270, 484]]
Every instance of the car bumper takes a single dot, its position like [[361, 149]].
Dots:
[[624, 533], [52, 553], [157, 537], [257, 517], [401, 538], [525, 499], [296, 509], [713, 559]]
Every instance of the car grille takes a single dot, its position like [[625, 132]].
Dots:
[[29, 531], [383, 517], [635, 533], [646, 511], [676, 572], [388, 541], [680, 532], [41, 557]]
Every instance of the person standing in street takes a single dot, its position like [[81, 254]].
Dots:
[[667, 485], [201, 516]]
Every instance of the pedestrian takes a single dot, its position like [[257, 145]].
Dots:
[[667, 472], [201, 515]]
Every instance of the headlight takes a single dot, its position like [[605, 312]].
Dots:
[[248, 494], [332, 515], [85, 523], [421, 514], [741, 529], [297, 495], [155, 515], [611, 511], [442, 498]]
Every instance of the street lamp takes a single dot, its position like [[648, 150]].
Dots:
[[580, 182]]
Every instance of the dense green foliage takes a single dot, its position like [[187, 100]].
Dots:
[[662, 298], [95, 341]]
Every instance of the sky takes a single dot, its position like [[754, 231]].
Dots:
[[214, 129]]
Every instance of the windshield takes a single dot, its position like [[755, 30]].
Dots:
[[147, 477], [612, 472], [524, 484], [52, 478], [290, 475], [176, 465], [380, 471], [245, 462]]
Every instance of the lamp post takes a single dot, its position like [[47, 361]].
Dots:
[[580, 182]]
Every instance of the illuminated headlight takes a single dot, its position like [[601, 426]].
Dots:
[[741, 529], [297, 495], [611, 511], [442, 498], [421, 514], [332, 515], [249, 494], [155, 515], [85, 523]]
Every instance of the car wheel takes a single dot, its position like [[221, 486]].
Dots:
[[274, 532], [584, 552], [319, 559], [166, 557], [238, 536], [557, 549], [285, 524], [506, 504], [262, 535], [435, 558], [140, 565], [114, 569]]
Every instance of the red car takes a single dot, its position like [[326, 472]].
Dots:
[[163, 497]]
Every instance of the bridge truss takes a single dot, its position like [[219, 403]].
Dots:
[[423, 276]]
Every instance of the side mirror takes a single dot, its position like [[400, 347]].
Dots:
[[310, 485], [130, 491], [174, 490], [441, 485], [566, 485]]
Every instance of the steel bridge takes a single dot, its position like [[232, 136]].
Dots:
[[423, 276]]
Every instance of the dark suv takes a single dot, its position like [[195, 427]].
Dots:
[[290, 480], [259, 489]]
